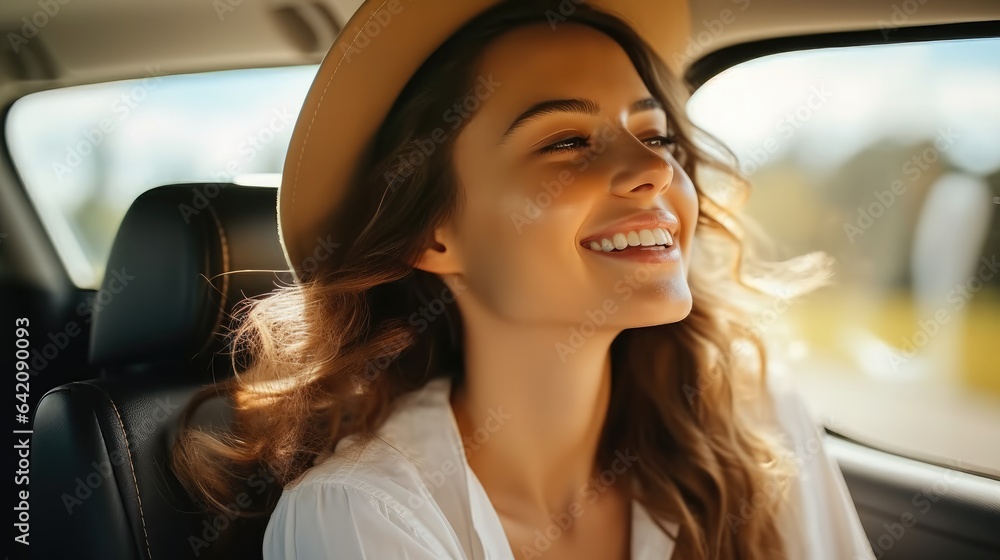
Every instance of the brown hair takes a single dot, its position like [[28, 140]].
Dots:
[[327, 357]]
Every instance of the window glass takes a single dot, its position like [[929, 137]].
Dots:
[[85, 153], [887, 158]]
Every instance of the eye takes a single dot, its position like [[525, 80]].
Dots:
[[580, 142], [661, 141], [670, 143], [569, 144]]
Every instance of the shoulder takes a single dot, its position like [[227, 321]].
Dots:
[[367, 465], [796, 420], [776, 408], [819, 519], [361, 502], [797, 430], [372, 470], [330, 519]]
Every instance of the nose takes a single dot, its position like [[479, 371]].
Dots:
[[638, 170]]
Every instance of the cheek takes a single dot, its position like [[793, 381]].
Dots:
[[518, 245], [522, 224], [683, 199], [515, 205]]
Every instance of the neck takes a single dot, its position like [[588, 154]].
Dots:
[[531, 415]]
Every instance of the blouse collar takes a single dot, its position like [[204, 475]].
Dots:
[[424, 428]]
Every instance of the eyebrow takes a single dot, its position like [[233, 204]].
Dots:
[[573, 105]]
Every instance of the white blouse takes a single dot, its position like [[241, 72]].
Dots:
[[410, 495]]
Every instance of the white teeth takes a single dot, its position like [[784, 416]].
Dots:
[[644, 237]]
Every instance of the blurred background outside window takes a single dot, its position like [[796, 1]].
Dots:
[[887, 158], [86, 153]]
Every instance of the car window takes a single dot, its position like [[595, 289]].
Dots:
[[887, 158], [85, 153]]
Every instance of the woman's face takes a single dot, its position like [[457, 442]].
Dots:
[[539, 189]]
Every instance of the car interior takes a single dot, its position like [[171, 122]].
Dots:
[[117, 362]]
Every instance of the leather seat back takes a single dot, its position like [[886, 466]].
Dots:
[[102, 486]]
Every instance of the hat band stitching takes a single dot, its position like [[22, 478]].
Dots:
[[305, 141]]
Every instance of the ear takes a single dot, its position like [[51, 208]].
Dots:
[[440, 257]]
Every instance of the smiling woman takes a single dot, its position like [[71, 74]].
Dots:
[[588, 383]]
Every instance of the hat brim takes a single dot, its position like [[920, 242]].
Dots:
[[370, 62]]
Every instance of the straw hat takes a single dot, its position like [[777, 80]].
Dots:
[[372, 59]]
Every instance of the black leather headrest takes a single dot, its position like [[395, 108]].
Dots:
[[165, 298]]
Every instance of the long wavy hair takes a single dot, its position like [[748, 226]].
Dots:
[[328, 356]]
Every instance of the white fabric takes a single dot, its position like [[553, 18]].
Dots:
[[411, 495]]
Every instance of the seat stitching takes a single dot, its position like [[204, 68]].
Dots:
[[224, 291], [135, 481], [305, 141]]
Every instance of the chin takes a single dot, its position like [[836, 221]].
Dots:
[[662, 304]]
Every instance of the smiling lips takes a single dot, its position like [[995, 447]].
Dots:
[[637, 238], [647, 235]]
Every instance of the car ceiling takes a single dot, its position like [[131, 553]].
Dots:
[[90, 41]]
